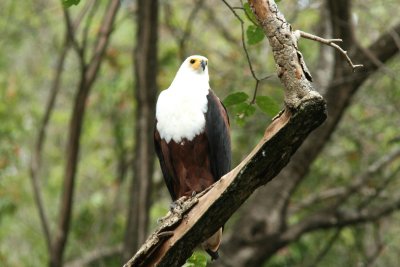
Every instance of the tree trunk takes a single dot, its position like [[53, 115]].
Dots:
[[145, 57]]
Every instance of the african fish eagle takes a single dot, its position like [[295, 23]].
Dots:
[[191, 136]]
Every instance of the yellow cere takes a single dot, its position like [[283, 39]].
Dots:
[[195, 63]]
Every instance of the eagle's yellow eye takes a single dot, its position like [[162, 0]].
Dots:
[[192, 61]]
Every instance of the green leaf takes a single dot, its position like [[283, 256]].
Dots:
[[235, 98], [254, 34], [198, 259], [245, 109], [267, 105], [69, 3], [249, 13]]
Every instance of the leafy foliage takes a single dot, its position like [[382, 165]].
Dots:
[[198, 259], [254, 34], [267, 105], [69, 3], [235, 98], [249, 13]]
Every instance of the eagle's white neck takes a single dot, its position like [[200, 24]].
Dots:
[[188, 80], [180, 108]]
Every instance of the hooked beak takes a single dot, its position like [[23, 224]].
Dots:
[[203, 64]]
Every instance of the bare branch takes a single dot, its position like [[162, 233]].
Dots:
[[379, 189], [85, 32], [71, 35], [326, 248], [214, 20], [340, 218], [341, 194], [371, 170], [379, 247], [375, 60], [396, 38], [330, 42], [331, 193]]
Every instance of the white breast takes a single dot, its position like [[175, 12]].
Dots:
[[180, 113]]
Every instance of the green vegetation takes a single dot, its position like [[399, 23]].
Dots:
[[31, 44]]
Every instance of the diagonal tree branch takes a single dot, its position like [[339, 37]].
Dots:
[[183, 229]]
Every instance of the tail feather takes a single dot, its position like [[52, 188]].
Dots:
[[211, 245], [213, 254]]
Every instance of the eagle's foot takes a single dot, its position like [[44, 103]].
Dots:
[[194, 193]]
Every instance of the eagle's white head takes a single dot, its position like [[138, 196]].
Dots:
[[193, 73], [180, 108]]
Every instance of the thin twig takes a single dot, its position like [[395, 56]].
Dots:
[[85, 32], [258, 80], [327, 247], [380, 246], [215, 20], [318, 197], [365, 176], [379, 189], [71, 35], [374, 59], [330, 42]]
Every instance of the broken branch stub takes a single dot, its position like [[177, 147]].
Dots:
[[291, 68]]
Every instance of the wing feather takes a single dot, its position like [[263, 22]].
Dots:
[[217, 130], [164, 157]]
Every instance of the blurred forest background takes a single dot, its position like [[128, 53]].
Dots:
[[79, 184]]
